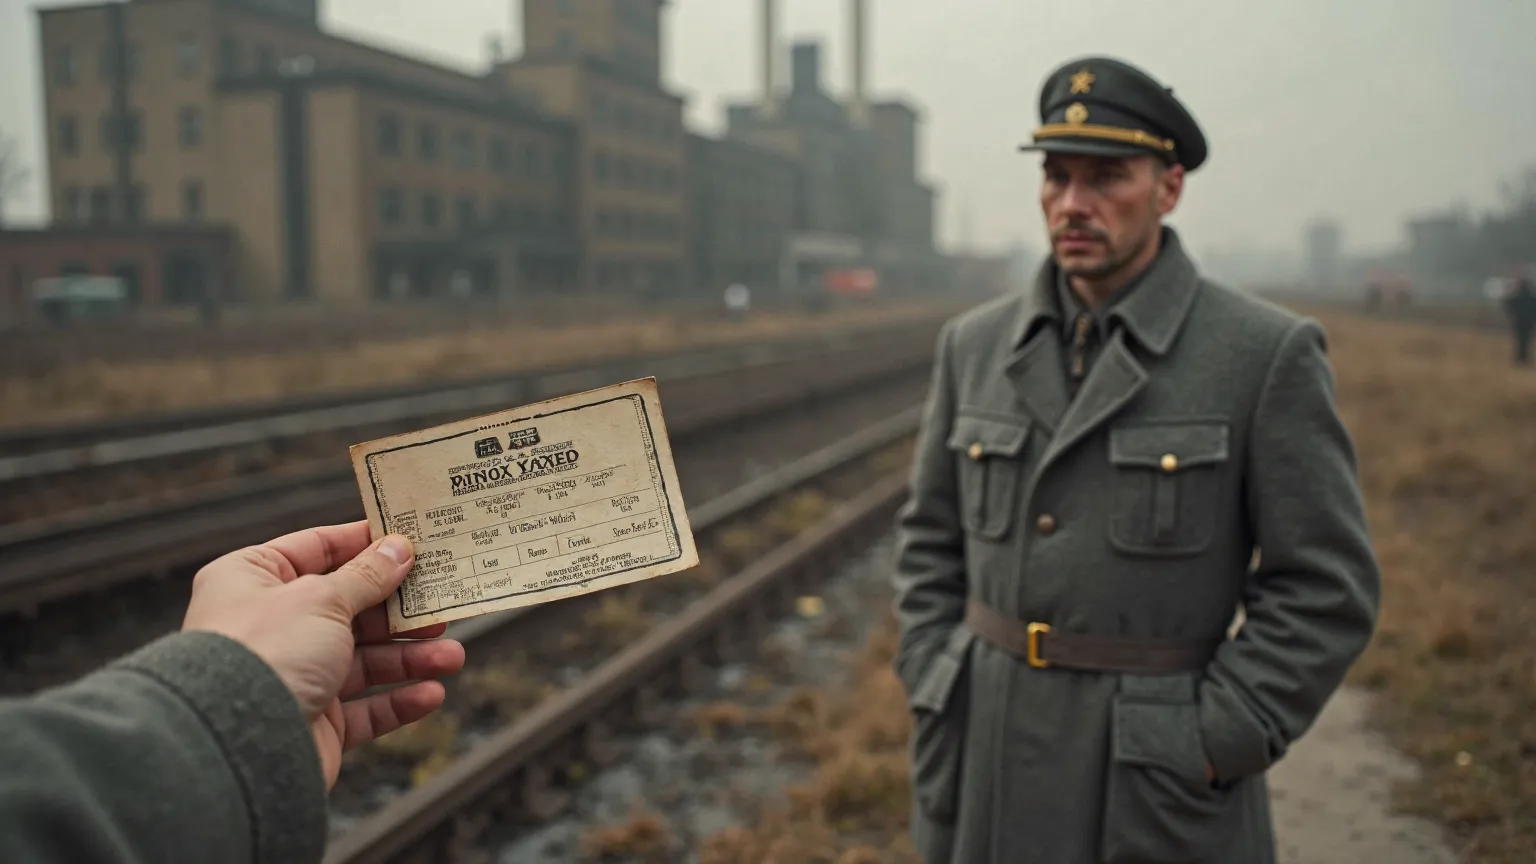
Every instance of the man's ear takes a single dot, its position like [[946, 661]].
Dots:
[[1170, 186]]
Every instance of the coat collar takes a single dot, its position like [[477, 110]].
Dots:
[[1153, 313]]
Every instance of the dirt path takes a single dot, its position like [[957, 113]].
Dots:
[[1332, 796]]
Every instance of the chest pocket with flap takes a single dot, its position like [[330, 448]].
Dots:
[[991, 455], [1167, 486]]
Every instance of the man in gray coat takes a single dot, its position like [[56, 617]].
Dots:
[[1102, 458]]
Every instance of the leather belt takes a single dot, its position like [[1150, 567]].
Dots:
[[1042, 648]]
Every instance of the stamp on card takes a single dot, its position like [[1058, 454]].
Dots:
[[528, 505]]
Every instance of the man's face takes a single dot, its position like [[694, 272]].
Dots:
[[1103, 212]]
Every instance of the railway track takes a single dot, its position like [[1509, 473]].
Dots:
[[74, 592], [524, 772], [76, 470]]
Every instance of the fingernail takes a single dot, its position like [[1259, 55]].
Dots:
[[396, 548]]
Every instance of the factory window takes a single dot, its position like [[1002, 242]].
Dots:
[[500, 156], [531, 219], [626, 172], [565, 42], [69, 135], [621, 116], [125, 132], [229, 57], [192, 200], [109, 59], [531, 160], [602, 110], [190, 128], [601, 167], [137, 205], [66, 68], [503, 211], [426, 142], [464, 149], [101, 204], [391, 206], [266, 59], [128, 271], [431, 210], [72, 204], [188, 53], [466, 213], [565, 6], [387, 135]]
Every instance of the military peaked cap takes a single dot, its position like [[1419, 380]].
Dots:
[[1099, 106]]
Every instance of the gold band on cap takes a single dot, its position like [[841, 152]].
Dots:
[[1110, 133]]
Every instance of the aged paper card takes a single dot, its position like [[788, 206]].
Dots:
[[533, 504]]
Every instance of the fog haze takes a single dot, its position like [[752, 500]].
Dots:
[[1366, 111]]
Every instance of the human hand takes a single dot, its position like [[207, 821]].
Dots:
[[325, 633]]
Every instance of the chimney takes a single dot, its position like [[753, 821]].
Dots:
[[770, 99], [858, 99], [807, 67]]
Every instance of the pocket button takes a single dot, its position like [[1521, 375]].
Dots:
[[975, 451], [1045, 523], [1170, 463]]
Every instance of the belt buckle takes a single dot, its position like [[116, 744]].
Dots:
[[1036, 630]]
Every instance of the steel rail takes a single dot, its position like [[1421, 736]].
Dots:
[[40, 563], [515, 770], [50, 449]]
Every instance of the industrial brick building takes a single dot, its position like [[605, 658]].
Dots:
[[336, 172]]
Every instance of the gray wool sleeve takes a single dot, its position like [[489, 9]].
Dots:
[[189, 750], [1311, 605]]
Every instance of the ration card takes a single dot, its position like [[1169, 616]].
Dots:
[[551, 500]]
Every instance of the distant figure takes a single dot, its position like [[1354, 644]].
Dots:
[[738, 300], [1520, 306]]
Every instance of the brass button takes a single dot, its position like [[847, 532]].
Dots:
[[1045, 523], [975, 450], [1170, 462]]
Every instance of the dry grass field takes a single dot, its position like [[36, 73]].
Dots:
[[99, 389], [1448, 462]]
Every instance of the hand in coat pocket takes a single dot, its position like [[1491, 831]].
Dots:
[[1160, 804]]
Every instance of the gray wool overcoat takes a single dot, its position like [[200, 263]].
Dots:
[[1025, 765]]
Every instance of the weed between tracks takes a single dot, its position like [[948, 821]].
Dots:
[[852, 809], [99, 389], [555, 649]]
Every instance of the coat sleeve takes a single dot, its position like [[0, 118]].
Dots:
[[190, 749], [930, 542], [1312, 602]]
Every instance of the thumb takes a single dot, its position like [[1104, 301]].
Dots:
[[365, 581]]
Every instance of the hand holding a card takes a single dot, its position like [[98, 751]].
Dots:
[[310, 605]]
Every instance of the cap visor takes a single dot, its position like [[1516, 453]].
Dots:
[[1085, 148]]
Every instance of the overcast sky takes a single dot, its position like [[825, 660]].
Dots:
[[1365, 110]]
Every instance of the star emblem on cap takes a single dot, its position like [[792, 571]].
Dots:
[[1082, 81]]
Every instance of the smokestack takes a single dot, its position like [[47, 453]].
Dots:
[[858, 101], [770, 99]]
